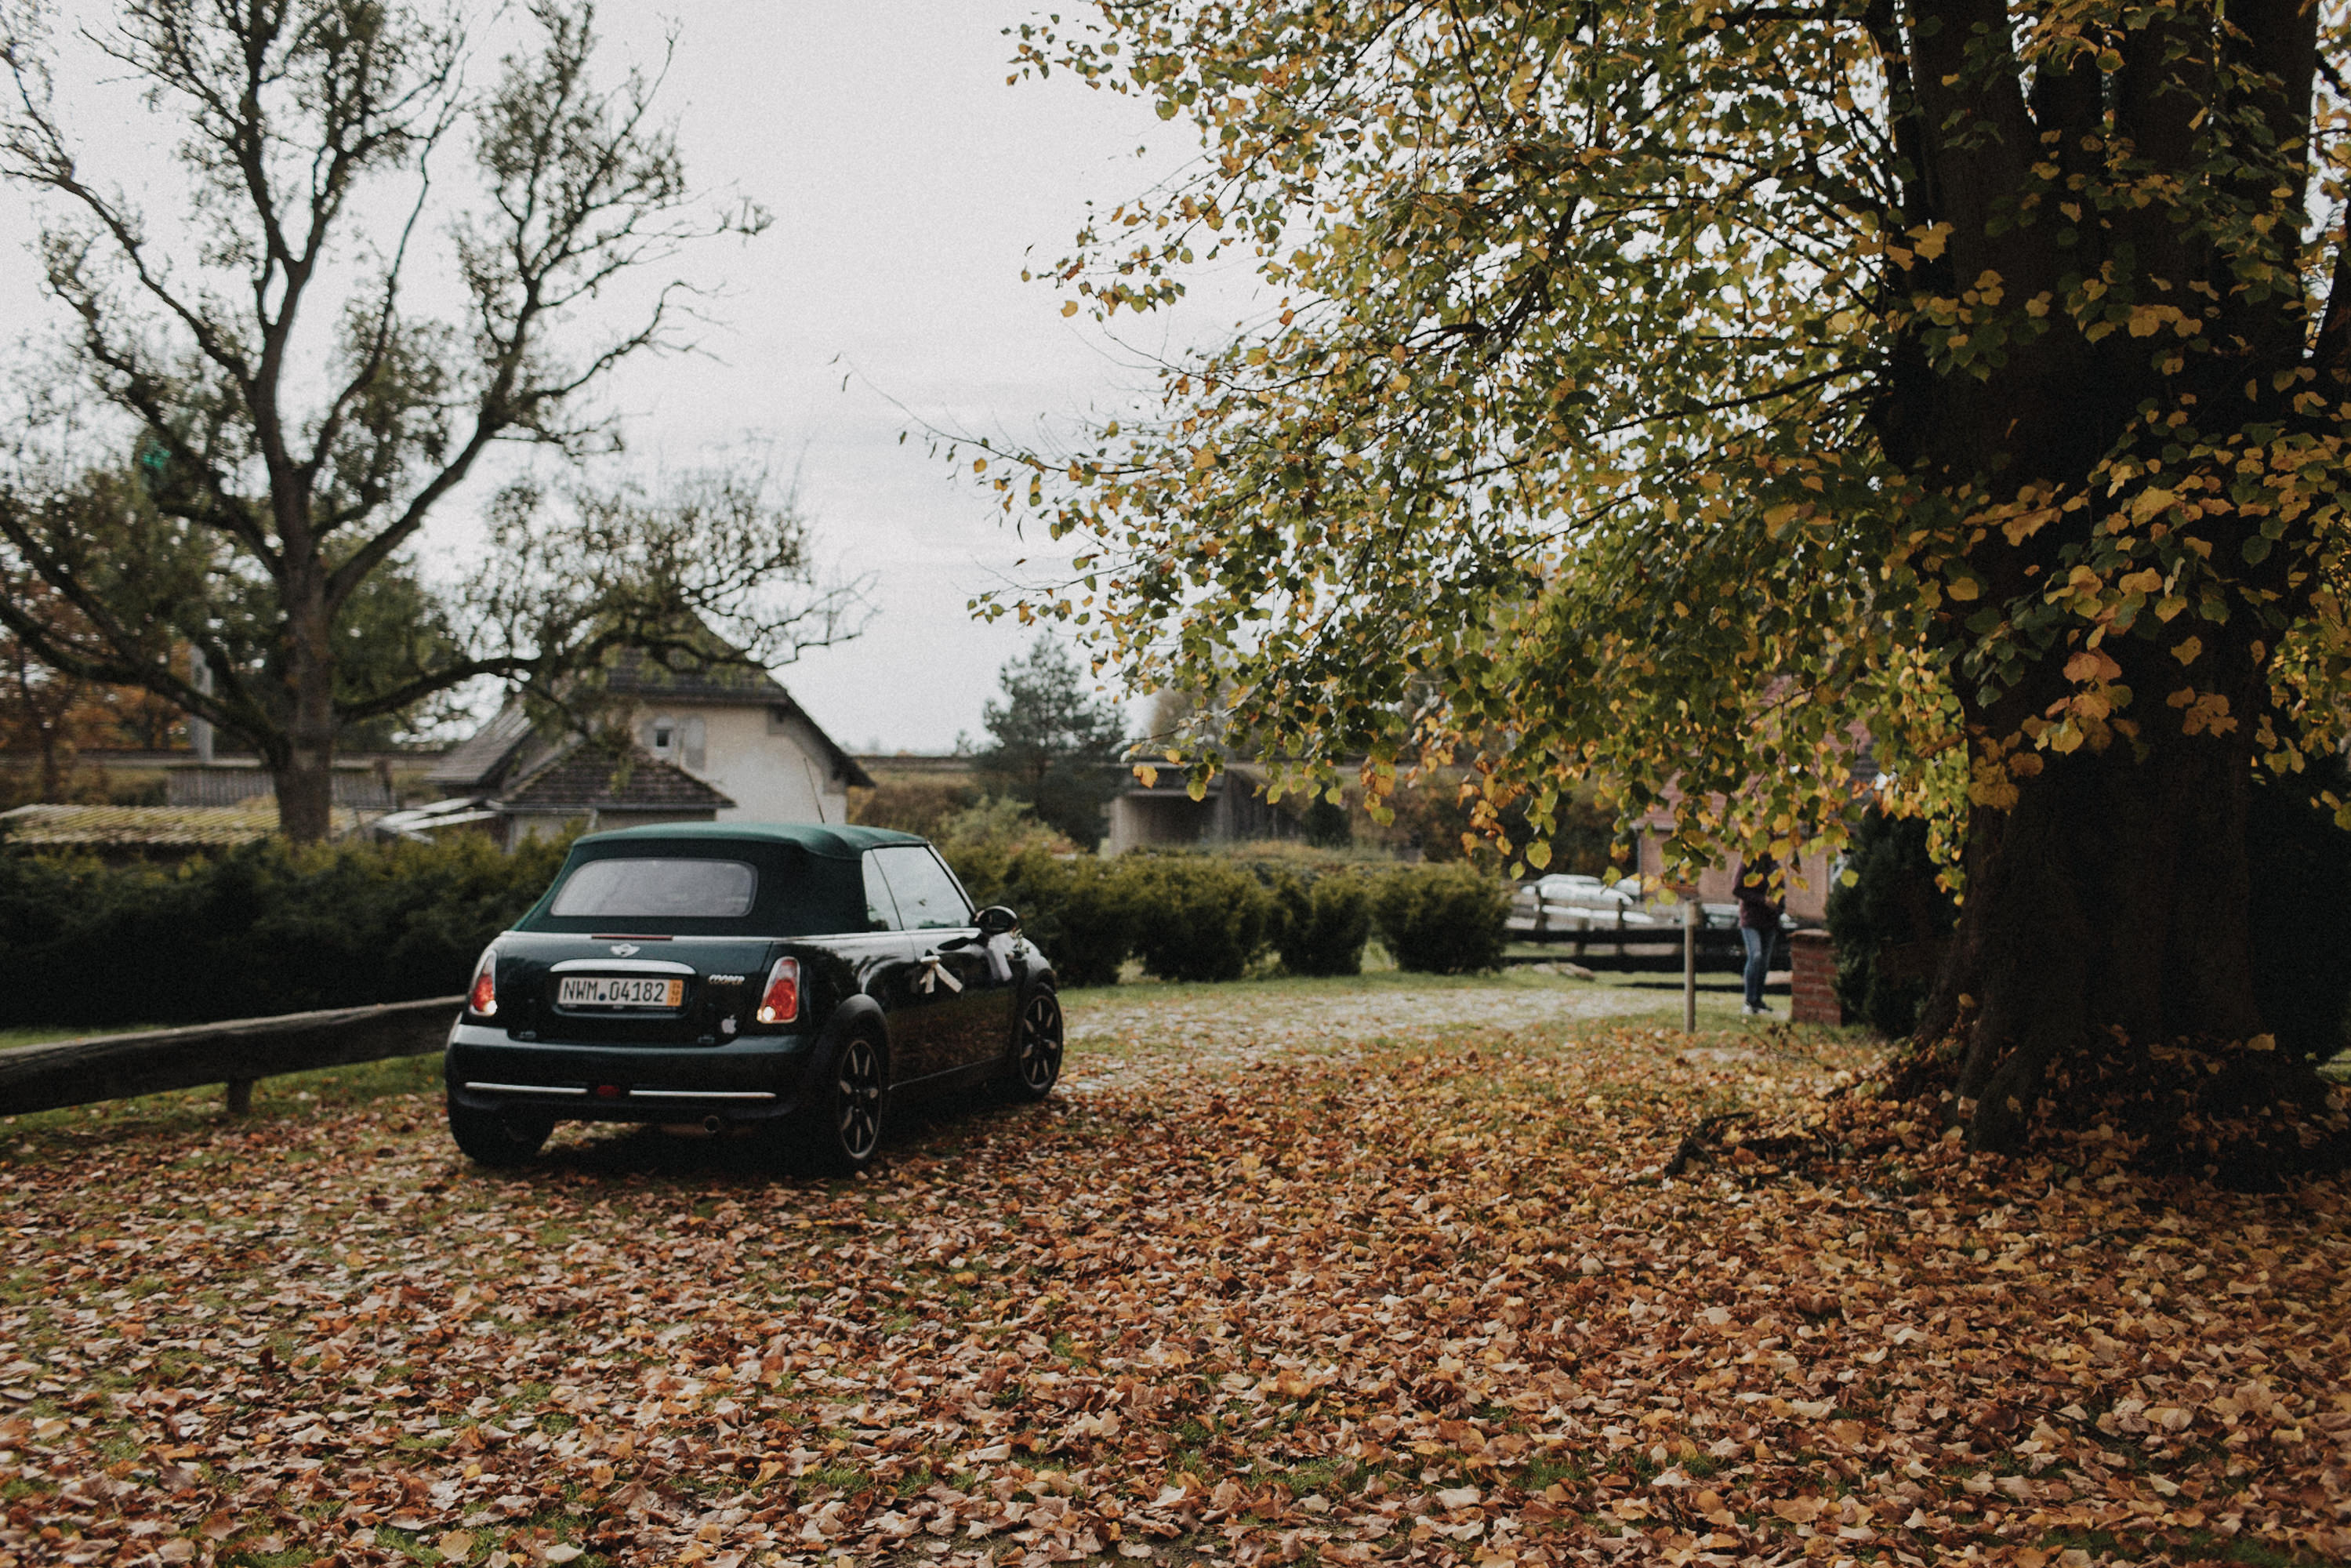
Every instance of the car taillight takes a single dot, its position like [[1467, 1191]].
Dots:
[[482, 1000], [780, 1002]]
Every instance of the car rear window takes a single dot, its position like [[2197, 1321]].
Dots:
[[656, 889]]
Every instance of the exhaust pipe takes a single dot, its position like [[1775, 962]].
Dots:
[[713, 1125]]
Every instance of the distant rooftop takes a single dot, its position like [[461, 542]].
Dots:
[[171, 829], [634, 670]]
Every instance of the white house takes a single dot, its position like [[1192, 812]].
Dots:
[[735, 732]]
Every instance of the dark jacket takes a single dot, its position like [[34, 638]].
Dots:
[[1757, 911]]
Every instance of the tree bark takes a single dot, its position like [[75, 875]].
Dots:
[[2101, 974], [2102, 969], [306, 779]]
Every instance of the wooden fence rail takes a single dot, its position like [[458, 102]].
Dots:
[[82, 1071]]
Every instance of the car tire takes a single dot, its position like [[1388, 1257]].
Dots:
[[1036, 1047], [838, 1131], [500, 1139]]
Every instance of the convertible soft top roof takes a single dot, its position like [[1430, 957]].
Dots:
[[845, 842]]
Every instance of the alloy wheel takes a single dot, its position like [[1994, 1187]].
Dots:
[[857, 1099], [1041, 1042]]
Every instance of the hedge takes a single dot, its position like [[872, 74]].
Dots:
[[265, 928], [1195, 918], [272, 929], [1189, 916], [1080, 909], [1321, 926]]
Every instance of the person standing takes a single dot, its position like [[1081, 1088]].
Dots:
[[1759, 926]]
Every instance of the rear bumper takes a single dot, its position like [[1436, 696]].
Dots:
[[752, 1079]]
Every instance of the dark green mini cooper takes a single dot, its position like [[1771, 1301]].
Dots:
[[793, 979]]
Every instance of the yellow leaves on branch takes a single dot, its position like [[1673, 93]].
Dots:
[[2090, 664], [2147, 320], [2203, 714], [1993, 770]]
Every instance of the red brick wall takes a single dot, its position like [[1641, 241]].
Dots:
[[1813, 985]]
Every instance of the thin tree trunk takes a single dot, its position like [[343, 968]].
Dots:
[[52, 776]]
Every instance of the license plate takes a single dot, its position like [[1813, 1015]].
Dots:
[[614, 991]]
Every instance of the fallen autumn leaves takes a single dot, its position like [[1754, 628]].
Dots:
[[1424, 1300]]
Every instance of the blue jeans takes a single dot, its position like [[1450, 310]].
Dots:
[[1758, 956]]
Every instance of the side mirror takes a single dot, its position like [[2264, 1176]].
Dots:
[[997, 921]]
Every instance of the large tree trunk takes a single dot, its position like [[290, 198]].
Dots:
[[306, 779], [2102, 973]]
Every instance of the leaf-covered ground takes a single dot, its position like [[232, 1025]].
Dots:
[[1369, 1272]]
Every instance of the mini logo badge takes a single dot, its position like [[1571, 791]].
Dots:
[[623, 949]]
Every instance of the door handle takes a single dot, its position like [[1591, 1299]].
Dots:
[[934, 974]]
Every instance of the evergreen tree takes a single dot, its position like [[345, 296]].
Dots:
[[1051, 744]]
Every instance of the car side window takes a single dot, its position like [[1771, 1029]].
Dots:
[[927, 897], [881, 909]]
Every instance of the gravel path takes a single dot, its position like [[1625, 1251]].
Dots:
[[1117, 1041]]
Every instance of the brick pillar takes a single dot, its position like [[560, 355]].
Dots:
[[1813, 987]]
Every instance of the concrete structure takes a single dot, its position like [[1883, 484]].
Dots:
[[1164, 814]]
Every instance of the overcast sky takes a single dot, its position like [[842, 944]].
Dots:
[[909, 186]]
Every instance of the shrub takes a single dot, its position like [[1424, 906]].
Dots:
[[982, 841], [1442, 919], [1195, 918], [1890, 924], [923, 806], [1080, 909], [265, 928], [1321, 926]]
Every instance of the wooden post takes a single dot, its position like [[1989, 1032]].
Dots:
[[240, 1096], [1690, 965]]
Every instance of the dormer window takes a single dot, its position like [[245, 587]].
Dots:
[[679, 740]]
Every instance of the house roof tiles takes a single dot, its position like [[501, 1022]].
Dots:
[[588, 777], [633, 670], [475, 762]]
